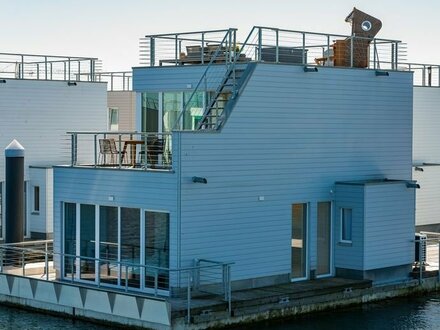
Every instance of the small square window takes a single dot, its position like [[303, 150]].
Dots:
[[36, 199], [346, 224]]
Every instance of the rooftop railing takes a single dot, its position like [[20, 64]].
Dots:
[[425, 75], [47, 67], [122, 150], [273, 45], [116, 81]]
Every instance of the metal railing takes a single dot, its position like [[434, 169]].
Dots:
[[275, 45], [425, 75], [427, 255], [48, 67], [123, 150], [116, 81], [180, 48], [178, 283]]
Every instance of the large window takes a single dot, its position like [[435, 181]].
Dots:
[[87, 242], [117, 245], [194, 110], [108, 244], [172, 105], [150, 112], [157, 247], [346, 224], [69, 239]]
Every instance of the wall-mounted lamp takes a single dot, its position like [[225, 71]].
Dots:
[[310, 69], [2, 81], [412, 185], [382, 73], [417, 168], [71, 83], [197, 179]]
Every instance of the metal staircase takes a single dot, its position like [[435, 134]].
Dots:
[[226, 72]]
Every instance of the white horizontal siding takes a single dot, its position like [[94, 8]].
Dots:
[[389, 225], [426, 125], [290, 136], [428, 196], [39, 113]]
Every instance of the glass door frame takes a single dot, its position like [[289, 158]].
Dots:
[[306, 245], [331, 247]]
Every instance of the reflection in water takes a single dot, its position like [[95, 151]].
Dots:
[[399, 314]]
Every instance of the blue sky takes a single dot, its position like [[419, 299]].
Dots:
[[110, 29]]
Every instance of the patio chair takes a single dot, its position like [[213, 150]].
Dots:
[[115, 152], [104, 151]]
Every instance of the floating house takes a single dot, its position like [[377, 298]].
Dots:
[[286, 157], [43, 97]]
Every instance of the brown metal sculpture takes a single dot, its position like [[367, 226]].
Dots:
[[354, 51]]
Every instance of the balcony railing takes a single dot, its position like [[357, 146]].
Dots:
[[116, 81], [48, 67], [425, 75], [273, 45], [122, 150]]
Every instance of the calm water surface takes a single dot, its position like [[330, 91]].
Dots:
[[400, 314]]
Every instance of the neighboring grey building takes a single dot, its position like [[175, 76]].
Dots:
[[39, 103], [288, 170]]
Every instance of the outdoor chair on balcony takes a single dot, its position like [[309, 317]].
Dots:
[[108, 153], [155, 147], [116, 152]]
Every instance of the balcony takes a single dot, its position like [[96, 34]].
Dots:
[[122, 150]]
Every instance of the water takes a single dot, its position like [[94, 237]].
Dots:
[[399, 314]]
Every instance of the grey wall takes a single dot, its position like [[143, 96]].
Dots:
[[290, 136], [428, 196]]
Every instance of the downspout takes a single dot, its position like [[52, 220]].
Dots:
[[179, 197]]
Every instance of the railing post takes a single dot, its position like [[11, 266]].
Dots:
[[126, 278], [260, 41], [420, 261], [277, 52], [22, 263], [152, 51], [423, 76], [120, 150], [351, 51], [438, 274], [176, 48], [155, 281], [188, 297], [429, 75], [22, 67], [45, 67], [72, 269], [1, 260], [303, 48], [374, 54], [79, 71], [95, 149], [203, 47], [68, 68], [396, 51], [111, 81], [38, 71], [328, 51], [46, 263], [392, 57], [123, 81]]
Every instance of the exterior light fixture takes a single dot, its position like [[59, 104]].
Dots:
[[412, 184], [71, 83], [197, 179], [418, 168], [2, 81], [382, 73], [310, 69]]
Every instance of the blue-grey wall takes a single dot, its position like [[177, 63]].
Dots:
[[389, 225], [349, 255], [290, 136], [130, 188]]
